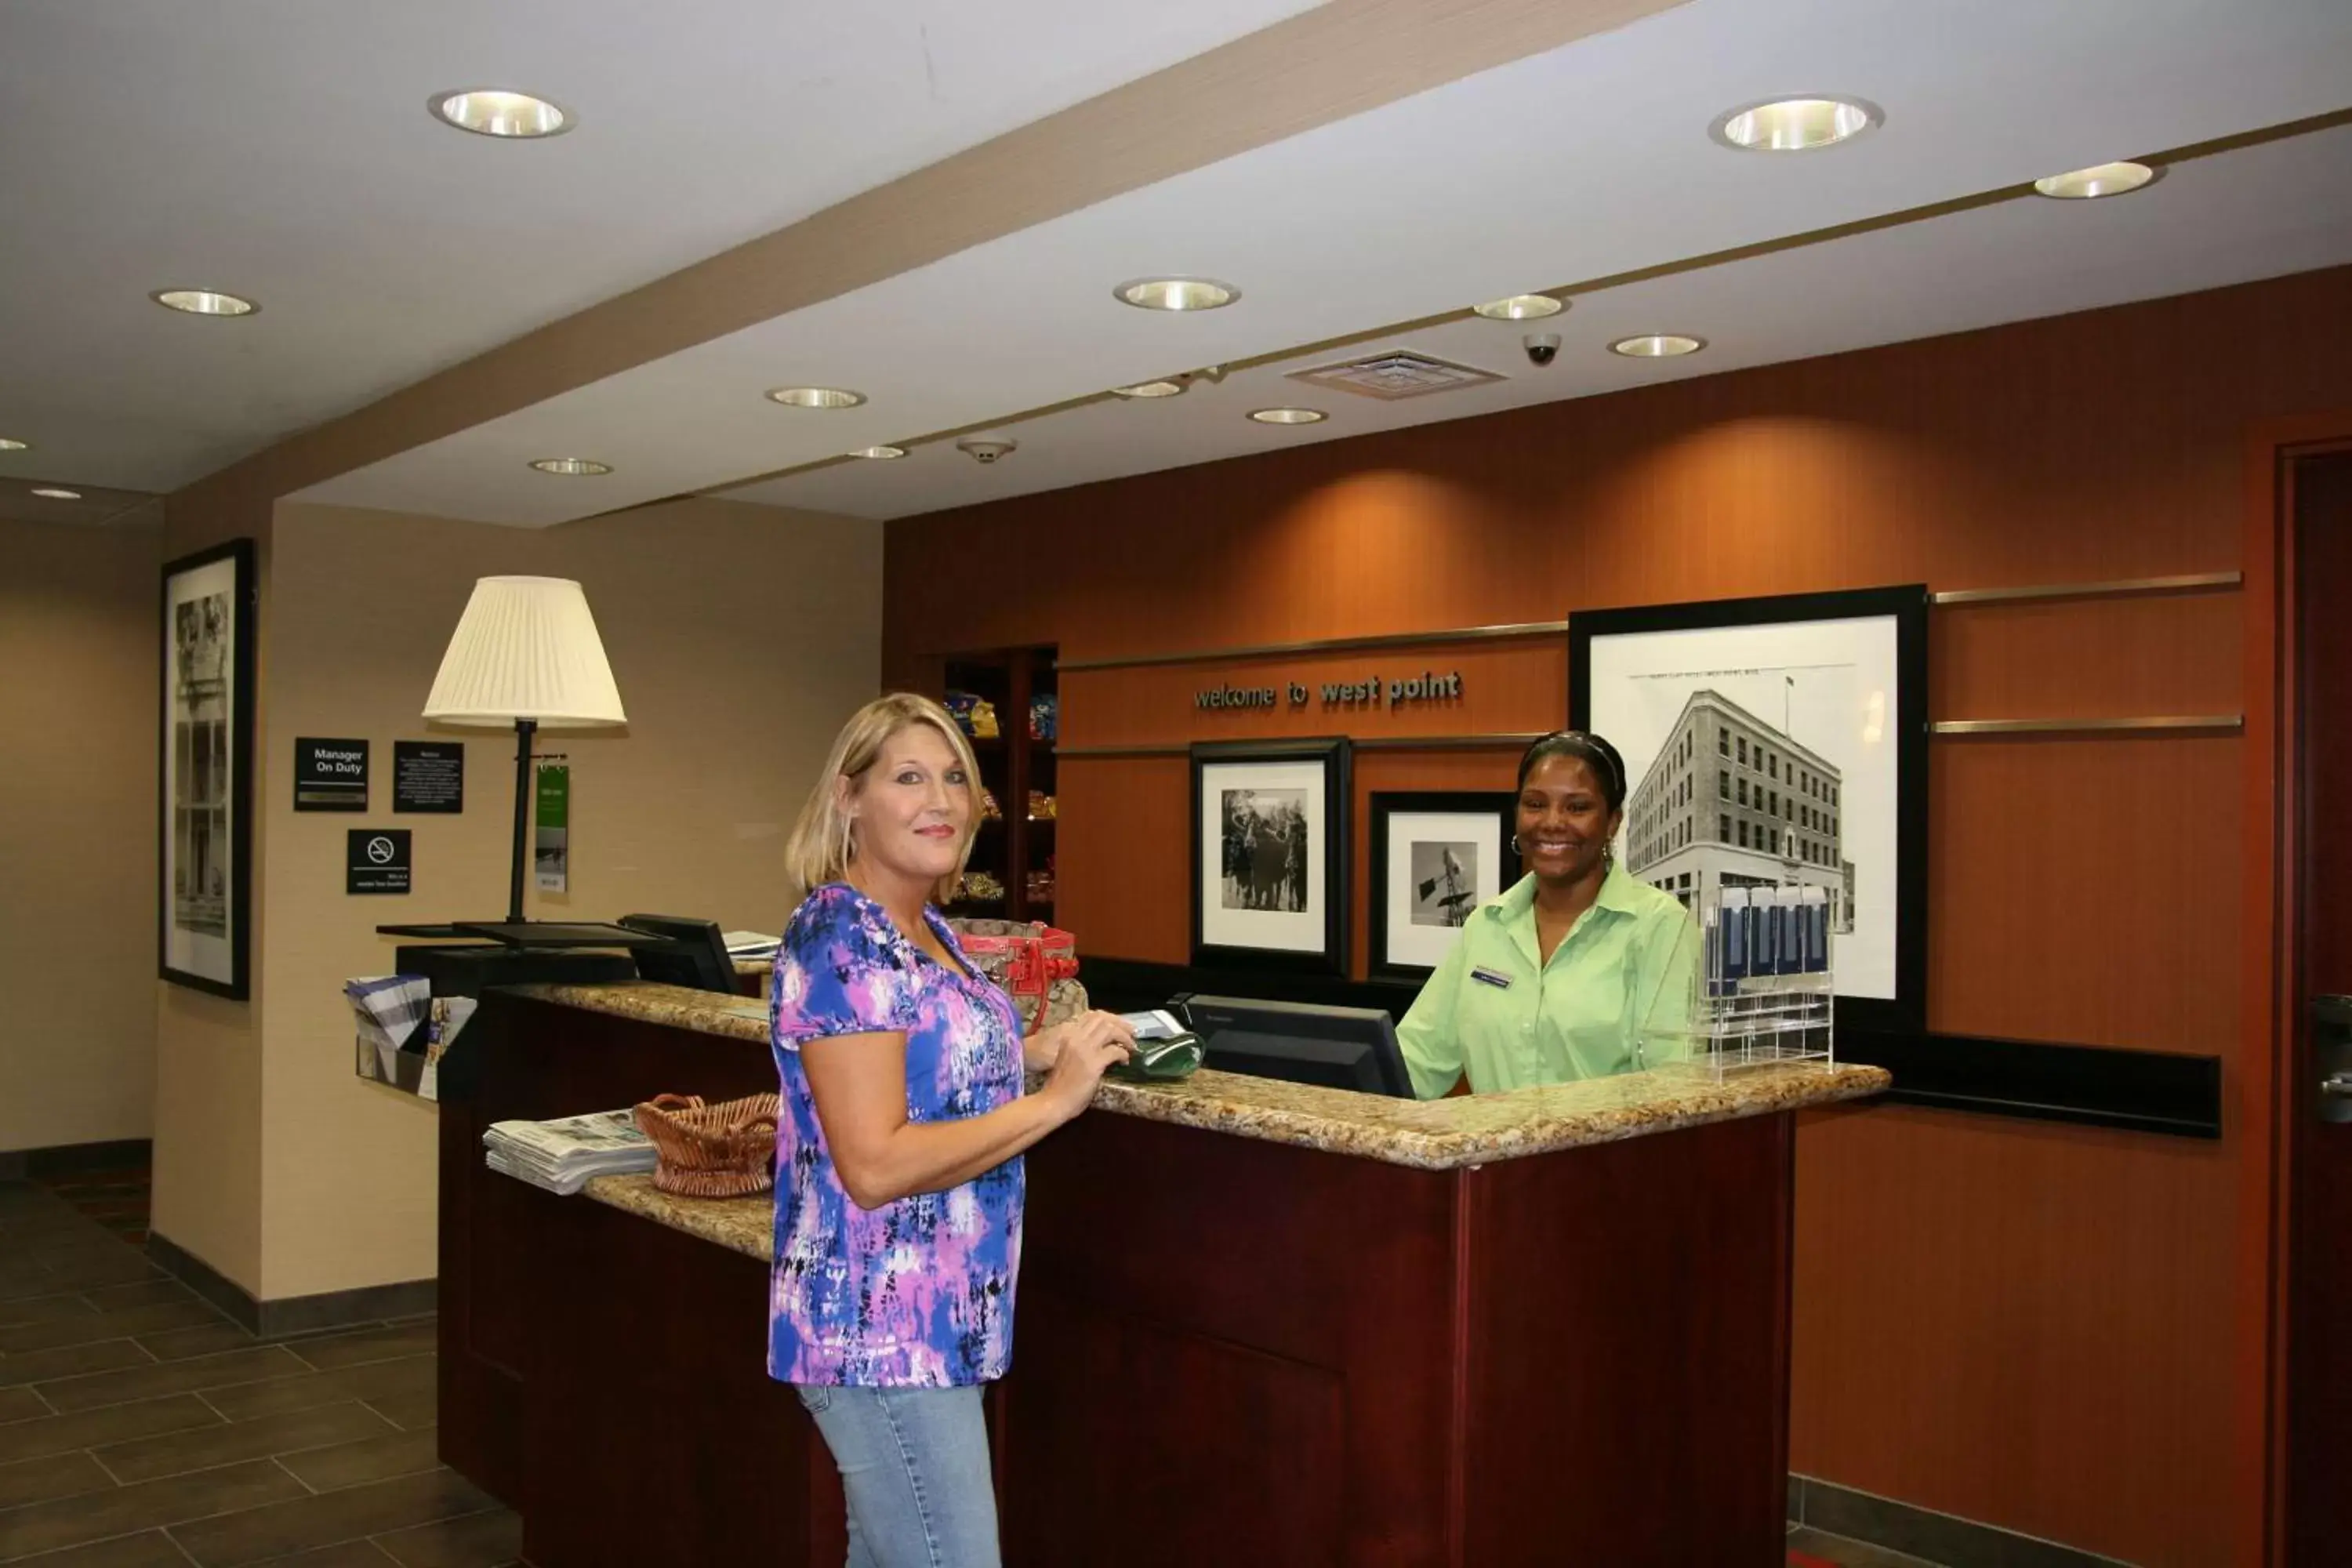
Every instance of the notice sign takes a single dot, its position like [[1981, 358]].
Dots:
[[428, 775], [377, 860], [330, 776]]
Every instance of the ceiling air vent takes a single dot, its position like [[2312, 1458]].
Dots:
[[1394, 374]]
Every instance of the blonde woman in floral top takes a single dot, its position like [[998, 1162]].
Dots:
[[898, 1174]]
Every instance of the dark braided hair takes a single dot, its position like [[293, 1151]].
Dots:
[[1587, 748]]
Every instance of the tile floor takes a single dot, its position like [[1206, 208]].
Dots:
[[138, 1429], [1845, 1553]]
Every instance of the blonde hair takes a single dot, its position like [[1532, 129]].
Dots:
[[819, 849]]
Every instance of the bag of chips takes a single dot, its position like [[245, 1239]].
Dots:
[[975, 714]]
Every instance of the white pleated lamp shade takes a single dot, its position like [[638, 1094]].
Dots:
[[526, 649]]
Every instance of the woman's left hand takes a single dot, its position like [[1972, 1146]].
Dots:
[[1041, 1050]]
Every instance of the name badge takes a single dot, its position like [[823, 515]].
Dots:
[[1493, 977]]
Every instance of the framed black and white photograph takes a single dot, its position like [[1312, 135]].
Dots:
[[1778, 742], [1270, 855], [1437, 857], [205, 794]]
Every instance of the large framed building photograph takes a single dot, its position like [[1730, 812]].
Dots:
[[1270, 851], [1778, 742], [206, 788]]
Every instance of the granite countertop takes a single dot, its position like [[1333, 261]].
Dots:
[[746, 1224], [1433, 1134]]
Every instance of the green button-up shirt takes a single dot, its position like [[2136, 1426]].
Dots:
[[1494, 1010]]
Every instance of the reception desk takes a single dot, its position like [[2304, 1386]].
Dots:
[[1257, 1322]]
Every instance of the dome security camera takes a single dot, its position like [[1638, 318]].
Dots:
[[984, 450], [1542, 347]]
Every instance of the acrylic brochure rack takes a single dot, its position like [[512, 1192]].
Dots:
[[1760, 989]]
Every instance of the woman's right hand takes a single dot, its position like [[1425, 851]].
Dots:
[[1092, 1043]]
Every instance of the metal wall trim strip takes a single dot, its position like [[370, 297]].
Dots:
[[1324, 645], [2191, 583], [1511, 739], [2229, 722], [1152, 751]]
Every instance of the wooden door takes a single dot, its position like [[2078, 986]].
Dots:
[[2319, 1374]]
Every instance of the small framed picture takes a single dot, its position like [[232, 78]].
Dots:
[[1270, 851], [1437, 857], [205, 806]]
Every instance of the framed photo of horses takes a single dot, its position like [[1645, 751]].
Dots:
[[1436, 855], [1270, 852]]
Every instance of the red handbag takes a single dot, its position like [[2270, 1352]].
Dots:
[[1025, 957]]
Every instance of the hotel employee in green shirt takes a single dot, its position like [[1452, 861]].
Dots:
[[1559, 977]]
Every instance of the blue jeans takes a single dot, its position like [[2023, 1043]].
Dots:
[[914, 1465]]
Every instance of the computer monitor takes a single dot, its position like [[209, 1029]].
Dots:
[[693, 953], [1299, 1042]]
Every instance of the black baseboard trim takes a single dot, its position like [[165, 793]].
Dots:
[[2089, 1086], [2092, 1086], [292, 1314], [1940, 1538], [73, 1159]]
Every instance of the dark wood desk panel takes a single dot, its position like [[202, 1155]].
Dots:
[[1227, 1349], [1204, 1317], [1628, 1352], [652, 1432], [533, 1060]]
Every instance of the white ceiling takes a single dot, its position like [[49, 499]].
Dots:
[[89, 506], [281, 149], [1586, 162], [2283, 206]]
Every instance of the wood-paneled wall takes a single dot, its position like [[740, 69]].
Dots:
[[2027, 1325]]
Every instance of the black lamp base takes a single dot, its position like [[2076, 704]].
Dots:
[[524, 730]]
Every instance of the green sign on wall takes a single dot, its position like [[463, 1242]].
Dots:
[[551, 842]]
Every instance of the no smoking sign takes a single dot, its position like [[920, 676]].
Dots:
[[376, 860]]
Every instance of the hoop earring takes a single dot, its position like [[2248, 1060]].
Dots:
[[1515, 845]]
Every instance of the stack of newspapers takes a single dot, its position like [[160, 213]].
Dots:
[[560, 1156]]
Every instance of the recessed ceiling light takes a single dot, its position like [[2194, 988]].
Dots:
[[8, 446], [1150, 389], [2102, 180], [1657, 346], [1176, 293], [1796, 124], [50, 492], [495, 111], [576, 468], [815, 396], [1289, 415], [1521, 308], [880, 453], [203, 302]]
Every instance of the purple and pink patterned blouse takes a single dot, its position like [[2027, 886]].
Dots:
[[920, 1292]]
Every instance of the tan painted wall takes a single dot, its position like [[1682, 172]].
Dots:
[[77, 636], [740, 637]]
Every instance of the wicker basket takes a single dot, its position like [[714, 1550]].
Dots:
[[723, 1151]]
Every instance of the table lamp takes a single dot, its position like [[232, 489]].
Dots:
[[525, 653]]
